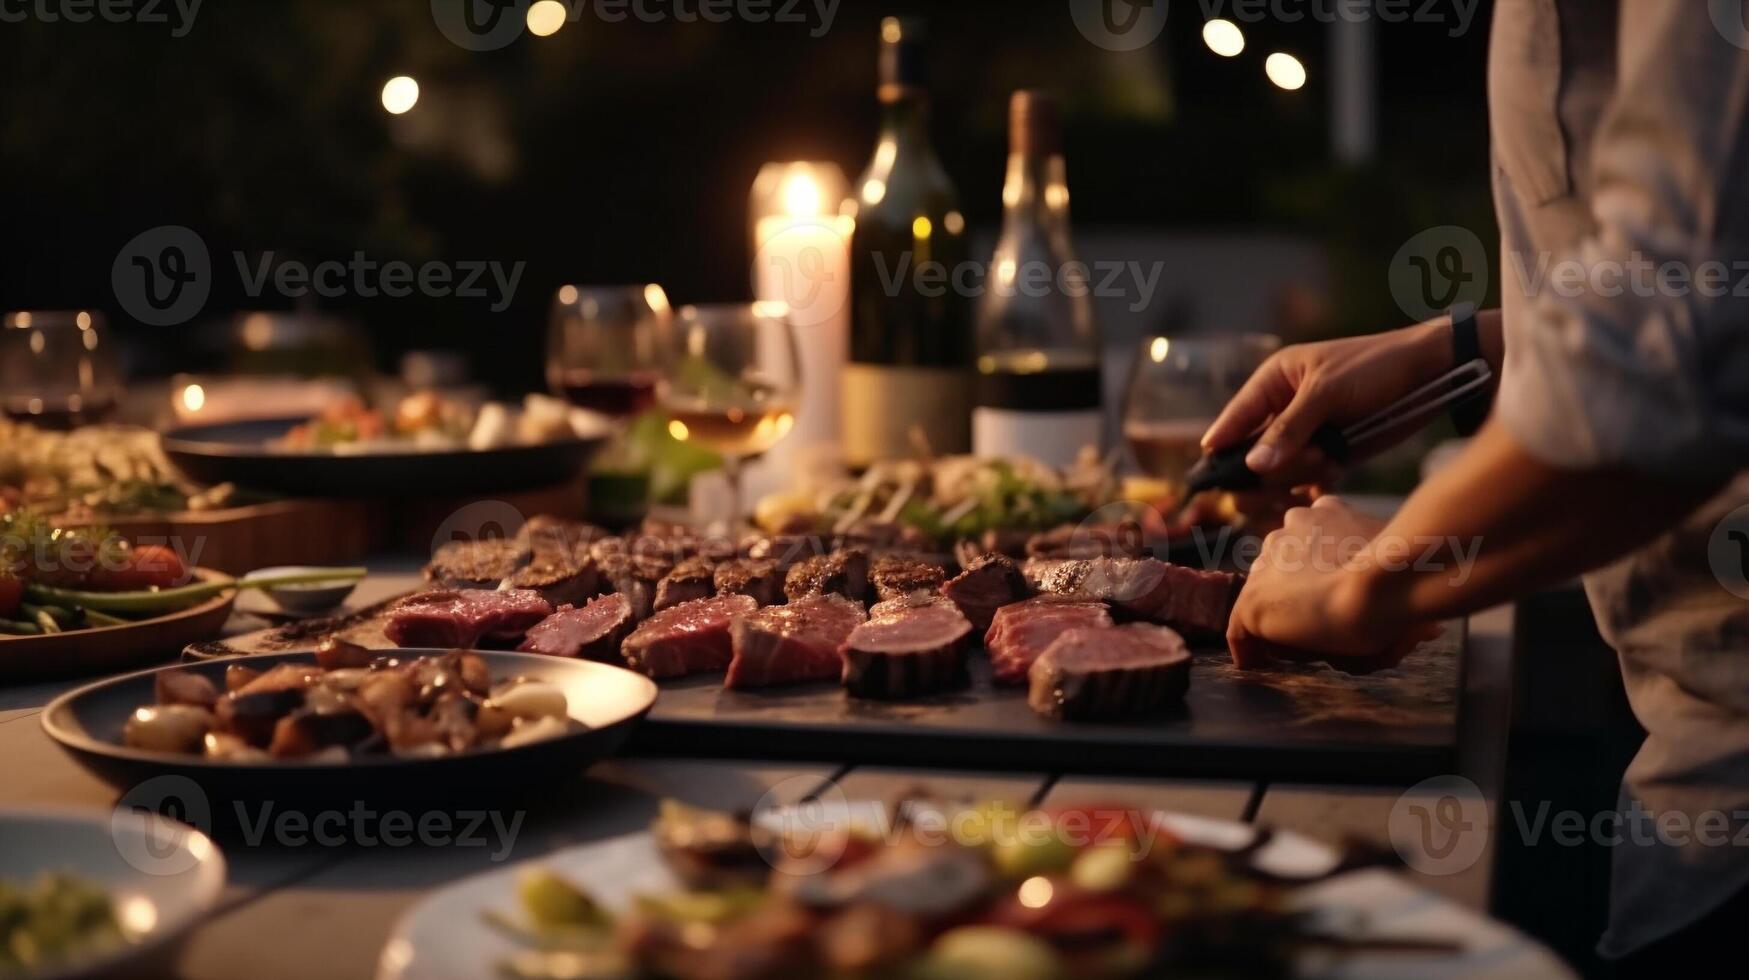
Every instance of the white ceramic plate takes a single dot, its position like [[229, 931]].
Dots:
[[162, 877], [445, 938]]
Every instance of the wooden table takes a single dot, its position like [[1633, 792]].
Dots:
[[325, 911]]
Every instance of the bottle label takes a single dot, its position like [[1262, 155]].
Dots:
[[882, 403], [1054, 437]]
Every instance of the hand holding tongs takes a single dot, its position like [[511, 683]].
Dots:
[[1225, 469]]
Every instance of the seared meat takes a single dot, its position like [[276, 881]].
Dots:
[[1145, 588], [634, 577], [1098, 673], [593, 631], [909, 647], [756, 577], [560, 577], [686, 639], [792, 643], [843, 572], [896, 576], [1022, 631], [693, 578], [479, 564], [1123, 539], [988, 583], [464, 618], [544, 535], [785, 549]]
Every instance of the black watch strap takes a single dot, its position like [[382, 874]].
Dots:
[[1466, 346]]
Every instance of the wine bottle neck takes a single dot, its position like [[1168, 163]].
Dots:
[[1036, 191], [905, 116]]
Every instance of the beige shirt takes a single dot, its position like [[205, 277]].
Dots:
[[1621, 146]]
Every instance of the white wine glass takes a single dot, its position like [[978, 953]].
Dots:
[[1177, 386], [730, 382]]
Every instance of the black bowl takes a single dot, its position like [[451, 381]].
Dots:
[[241, 453], [607, 700]]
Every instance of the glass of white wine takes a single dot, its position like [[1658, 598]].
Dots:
[[730, 382]]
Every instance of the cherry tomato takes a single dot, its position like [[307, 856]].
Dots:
[[142, 567]]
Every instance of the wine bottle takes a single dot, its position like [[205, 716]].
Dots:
[[1038, 388], [910, 339]]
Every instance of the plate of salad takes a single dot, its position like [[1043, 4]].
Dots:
[[83, 600]]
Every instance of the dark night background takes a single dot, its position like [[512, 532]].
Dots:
[[624, 152]]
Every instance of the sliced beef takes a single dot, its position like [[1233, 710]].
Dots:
[[792, 643], [635, 577], [1090, 674], [544, 535], [756, 577], [785, 549], [1121, 539], [1022, 631], [690, 638], [592, 631], [844, 572], [894, 576], [908, 648], [481, 564], [561, 577], [1144, 588], [992, 542], [692, 578], [988, 583], [464, 618]]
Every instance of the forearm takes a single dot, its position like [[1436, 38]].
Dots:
[[1497, 523]]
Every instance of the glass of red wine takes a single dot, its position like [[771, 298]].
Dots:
[[601, 347], [57, 368]]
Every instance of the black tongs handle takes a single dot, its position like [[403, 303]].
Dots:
[[1225, 469]]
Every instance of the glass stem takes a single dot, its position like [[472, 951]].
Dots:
[[732, 476]]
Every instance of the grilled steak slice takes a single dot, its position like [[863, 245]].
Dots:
[[593, 631], [692, 578], [908, 648], [894, 577], [1145, 588], [988, 583], [1122, 539], [686, 639], [478, 564], [543, 535], [785, 549], [756, 577], [634, 577], [561, 577], [1022, 631], [788, 644], [844, 572], [994, 541], [464, 618], [1092, 674]]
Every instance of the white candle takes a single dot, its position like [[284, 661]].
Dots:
[[801, 259]]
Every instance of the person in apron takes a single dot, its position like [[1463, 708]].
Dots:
[[1617, 444]]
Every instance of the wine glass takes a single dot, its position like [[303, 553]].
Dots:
[[601, 347], [730, 382], [1177, 386], [57, 368]]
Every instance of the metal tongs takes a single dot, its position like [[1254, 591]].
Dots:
[[1225, 469]]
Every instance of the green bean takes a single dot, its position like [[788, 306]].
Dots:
[[12, 627], [97, 618], [169, 600], [62, 615]]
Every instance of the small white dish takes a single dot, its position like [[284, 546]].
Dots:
[[162, 878], [304, 599]]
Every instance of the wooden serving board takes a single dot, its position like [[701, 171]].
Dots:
[[1308, 723]]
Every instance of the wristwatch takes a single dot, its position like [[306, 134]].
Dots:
[[1466, 346]]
